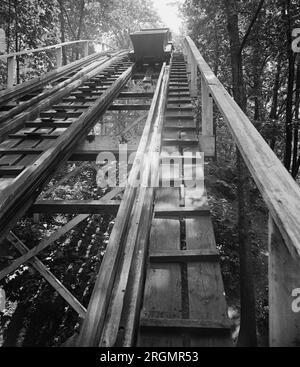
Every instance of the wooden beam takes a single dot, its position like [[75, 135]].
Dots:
[[11, 71], [50, 278], [40, 49], [44, 244], [186, 324], [207, 110], [134, 95], [11, 170], [129, 107], [183, 256], [76, 206], [182, 212], [284, 290]]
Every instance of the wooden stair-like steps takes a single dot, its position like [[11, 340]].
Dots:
[[184, 303]]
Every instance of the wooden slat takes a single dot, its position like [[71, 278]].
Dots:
[[51, 279], [191, 325], [75, 206], [181, 212], [184, 256], [129, 107], [44, 244], [135, 95], [11, 170]]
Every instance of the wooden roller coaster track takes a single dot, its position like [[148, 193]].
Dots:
[[160, 282]]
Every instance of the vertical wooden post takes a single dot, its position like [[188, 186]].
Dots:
[[86, 49], [59, 57], [103, 47], [188, 63], [184, 50], [207, 138], [284, 292], [193, 83], [207, 110], [11, 71]]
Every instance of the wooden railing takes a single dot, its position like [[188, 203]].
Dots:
[[279, 191], [58, 48]]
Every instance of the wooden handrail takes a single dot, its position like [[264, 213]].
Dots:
[[40, 49], [11, 57], [279, 190]]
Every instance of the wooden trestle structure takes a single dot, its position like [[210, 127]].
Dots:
[[160, 282]]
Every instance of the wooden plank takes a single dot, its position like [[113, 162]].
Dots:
[[50, 278], [190, 325], [44, 244], [134, 95], [284, 274], [9, 159], [11, 170], [163, 281], [129, 107], [206, 290], [184, 256], [76, 206], [40, 49], [28, 159], [181, 212], [207, 110]]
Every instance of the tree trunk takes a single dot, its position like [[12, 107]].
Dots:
[[247, 334], [290, 87], [295, 166], [62, 32], [274, 107]]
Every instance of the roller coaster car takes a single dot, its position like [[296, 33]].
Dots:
[[151, 46]]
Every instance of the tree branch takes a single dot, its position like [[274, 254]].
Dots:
[[251, 25]]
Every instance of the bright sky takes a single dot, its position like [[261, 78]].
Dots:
[[169, 13]]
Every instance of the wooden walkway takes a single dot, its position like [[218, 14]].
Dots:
[[184, 302]]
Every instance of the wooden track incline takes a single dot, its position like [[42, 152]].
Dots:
[[184, 302]]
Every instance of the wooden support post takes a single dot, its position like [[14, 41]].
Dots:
[[188, 64], [207, 139], [11, 71], [36, 218], [59, 57], [103, 47], [86, 49], [193, 83], [284, 292], [184, 49]]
